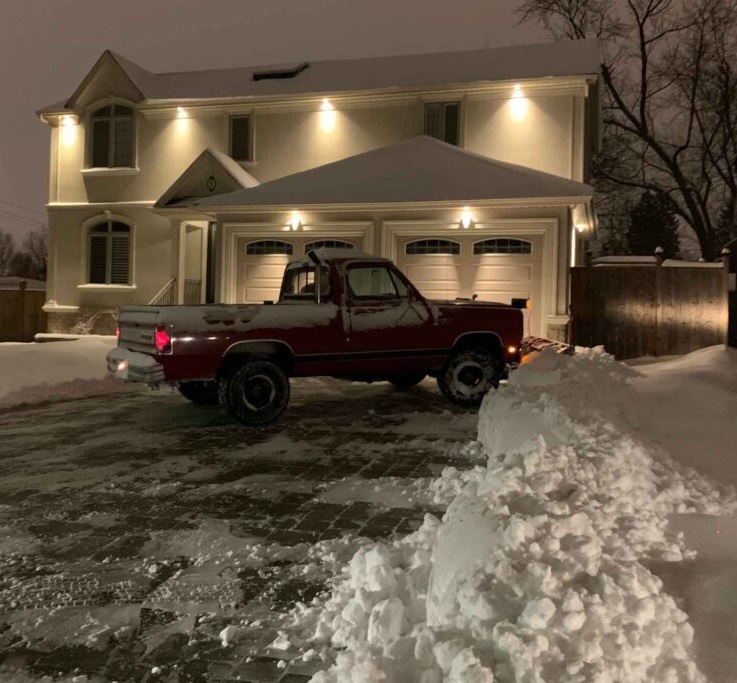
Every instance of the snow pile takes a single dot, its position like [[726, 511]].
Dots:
[[30, 373], [538, 570]]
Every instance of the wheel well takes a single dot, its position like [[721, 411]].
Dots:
[[480, 340], [239, 353]]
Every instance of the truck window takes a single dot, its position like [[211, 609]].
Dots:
[[374, 282], [299, 283]]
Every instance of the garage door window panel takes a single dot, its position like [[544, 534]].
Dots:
[[328, 244], [269, 247], [421, 247], [502, 245]]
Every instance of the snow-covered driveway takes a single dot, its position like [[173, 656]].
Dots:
[[135, 527]]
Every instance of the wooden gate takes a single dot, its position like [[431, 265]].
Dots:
[[645, 306], [21, 314]]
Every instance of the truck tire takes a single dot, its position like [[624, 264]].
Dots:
[[258, 392], [468, 375], [201, 393], [406, 380]]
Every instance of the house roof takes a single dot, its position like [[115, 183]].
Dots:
[[420, 169], [511, 63]]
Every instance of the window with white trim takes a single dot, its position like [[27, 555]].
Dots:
[[432, 247], [442, 121], [502, 245], [241, 147], [269, 247], [328, 244], [113, 139], [109, 254]]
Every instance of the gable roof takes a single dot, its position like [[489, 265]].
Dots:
[[511, 63], [421, 169], [227, 175]]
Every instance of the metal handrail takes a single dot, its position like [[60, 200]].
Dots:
[[166, 295]]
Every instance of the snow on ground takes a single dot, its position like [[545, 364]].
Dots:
[[30, 373], [547, 564]]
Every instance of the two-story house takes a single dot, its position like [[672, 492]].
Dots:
[[466, 168]]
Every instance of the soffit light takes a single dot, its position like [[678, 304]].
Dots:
[[295, 220], [518, 103], [466, 218], [327, 116]]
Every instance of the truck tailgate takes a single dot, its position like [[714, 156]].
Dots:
[[137, 327]]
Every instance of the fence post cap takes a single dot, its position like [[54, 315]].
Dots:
[[726, 251], [702, 259], [659, 250]]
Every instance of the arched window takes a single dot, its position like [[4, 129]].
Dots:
[[502, 245], [109, 254], [269, 247], [328, 244], [433, 247], [112, 144]]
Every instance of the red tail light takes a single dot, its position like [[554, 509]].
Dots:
[[117, 331], [162, 339]]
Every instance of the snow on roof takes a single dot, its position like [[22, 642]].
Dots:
[[515, 62], [420, 169]]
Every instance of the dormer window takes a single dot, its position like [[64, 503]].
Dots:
[[112, 143]]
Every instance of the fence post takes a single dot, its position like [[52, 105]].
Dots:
[[726, 253], [659, 345]]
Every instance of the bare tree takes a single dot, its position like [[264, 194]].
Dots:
[[30, 260], [670, 100], [7, 251]]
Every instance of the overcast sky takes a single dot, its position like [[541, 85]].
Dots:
[[48, 46]]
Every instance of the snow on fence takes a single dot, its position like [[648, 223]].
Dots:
[[21, 314], [647, 306]]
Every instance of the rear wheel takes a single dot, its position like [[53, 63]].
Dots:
[[258, 392], [406, 380], [201, 393], [468, 375]]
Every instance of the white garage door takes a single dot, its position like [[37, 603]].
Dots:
[[494, 268], [263, 261]]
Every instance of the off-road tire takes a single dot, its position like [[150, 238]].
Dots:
[[199, 392], [257, 393], [406, 380], [468, 375]]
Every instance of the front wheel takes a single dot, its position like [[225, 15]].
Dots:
[[468, 375], [201, 393], [258, 392]]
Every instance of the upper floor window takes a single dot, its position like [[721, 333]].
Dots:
[[240, 138], [432, 247], [442, 121], [502, 245], [113, 137], [109, 254]]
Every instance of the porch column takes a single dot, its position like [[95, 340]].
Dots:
[[181, 254]]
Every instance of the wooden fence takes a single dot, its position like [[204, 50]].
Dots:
[[21, 314], [649, 307]]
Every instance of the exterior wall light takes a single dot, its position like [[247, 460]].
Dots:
[[580, 227], [68, 129], [181, 113], [518, 103], [327, 116], [466, 218], [295, 220]]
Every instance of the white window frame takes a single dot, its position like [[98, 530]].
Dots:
[[112, 170], [84, 262]]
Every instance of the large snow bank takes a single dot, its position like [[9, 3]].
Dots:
[[55, 370], [537, 571]]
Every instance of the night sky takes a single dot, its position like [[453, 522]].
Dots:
[[47, 47]]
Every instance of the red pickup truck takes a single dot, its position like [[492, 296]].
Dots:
[[340, 314]]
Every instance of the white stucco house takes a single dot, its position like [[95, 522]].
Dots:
[[468, 169]]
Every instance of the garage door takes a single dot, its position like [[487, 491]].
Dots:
[[495, 268], [263, 261]]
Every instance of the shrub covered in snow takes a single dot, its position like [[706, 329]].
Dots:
[[537, 571]]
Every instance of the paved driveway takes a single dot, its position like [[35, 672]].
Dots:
[[135, 527]]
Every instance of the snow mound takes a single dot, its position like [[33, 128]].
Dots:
[[31, 373], [537, 571]]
